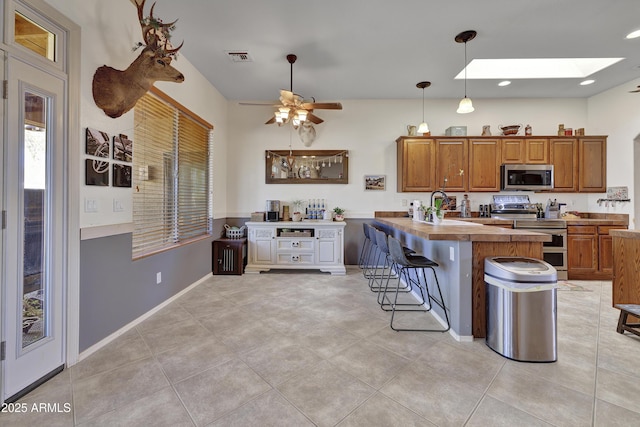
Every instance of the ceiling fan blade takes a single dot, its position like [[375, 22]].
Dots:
[[322, 106], [265, 104], [271, 120], [313, 118]]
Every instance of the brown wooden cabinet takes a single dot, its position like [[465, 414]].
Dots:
[[582, 250], [416, 164], [590, 251], [484, 164], [424, 162], [592, 166], [564, 158], [451, 158], [536, 151], [513, 150], [525, 151], [605, 249]]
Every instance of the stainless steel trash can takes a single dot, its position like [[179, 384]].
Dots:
[[521, 308]]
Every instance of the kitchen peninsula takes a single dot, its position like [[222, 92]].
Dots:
[[460, 249]]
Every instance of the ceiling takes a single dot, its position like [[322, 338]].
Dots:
[[380, 49]]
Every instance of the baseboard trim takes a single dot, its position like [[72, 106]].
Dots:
[[97, 346]]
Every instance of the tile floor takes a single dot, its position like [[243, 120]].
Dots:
[[314, 349]]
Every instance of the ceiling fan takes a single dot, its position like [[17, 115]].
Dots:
[[635, 91], [293, 108]]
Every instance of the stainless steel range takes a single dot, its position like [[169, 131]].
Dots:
[[524, 215]]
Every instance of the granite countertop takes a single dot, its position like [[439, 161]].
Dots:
[[455, 230]]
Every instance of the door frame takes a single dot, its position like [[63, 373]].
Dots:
[[72, 134]]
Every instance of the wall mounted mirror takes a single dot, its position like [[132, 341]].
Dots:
[[307, 167]]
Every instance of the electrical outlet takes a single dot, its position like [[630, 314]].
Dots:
[[158, 277], [404, 202], [451, 254]]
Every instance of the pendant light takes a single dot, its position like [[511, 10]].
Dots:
[[423, 128], [466, 106]]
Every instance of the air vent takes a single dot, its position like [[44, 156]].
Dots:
[[239, 56]]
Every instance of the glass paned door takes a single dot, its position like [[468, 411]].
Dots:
[[34, 274], [34, 245]]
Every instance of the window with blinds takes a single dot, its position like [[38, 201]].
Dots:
[[171, 197]]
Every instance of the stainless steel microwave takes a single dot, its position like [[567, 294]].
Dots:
[[526, 177]]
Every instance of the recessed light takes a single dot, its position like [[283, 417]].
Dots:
[[633, 35], [587, 82], [504, 83]]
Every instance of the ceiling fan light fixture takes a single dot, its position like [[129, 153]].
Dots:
[[284, 112], [465, 106], [302, 115]]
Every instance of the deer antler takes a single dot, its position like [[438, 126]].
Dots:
[[155, 32]]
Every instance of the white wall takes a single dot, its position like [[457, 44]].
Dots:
[[368, 129], [616, 113], [109, 31]]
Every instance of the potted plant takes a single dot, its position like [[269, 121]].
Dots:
[[435, 212], [339, 213]]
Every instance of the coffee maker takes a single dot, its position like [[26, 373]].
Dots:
[[273, 210]]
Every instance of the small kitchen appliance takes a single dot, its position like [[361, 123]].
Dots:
[[272, 210]]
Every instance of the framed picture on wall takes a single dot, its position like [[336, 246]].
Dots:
[[97, 143], [121, 175], [375, 182], [96, 172], [122, 148]]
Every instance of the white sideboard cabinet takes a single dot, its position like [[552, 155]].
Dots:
[[317, 245]]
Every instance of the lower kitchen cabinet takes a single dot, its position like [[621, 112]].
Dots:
[[317, 245], [590, 252]]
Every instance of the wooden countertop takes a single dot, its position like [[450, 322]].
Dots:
[[585, 219], [463, 232], [627, 234]]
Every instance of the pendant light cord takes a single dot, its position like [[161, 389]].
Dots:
[[422, 105], [465, 69]]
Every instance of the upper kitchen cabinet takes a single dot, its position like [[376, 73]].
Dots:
[[564, 158], [592, 164], [484, 164], [525, 151], [451, 162], [416, 164]]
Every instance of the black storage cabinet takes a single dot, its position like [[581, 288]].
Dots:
[[229, 256]]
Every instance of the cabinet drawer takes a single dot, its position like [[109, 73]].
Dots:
[[581, 229], [295, 258], [294, 244], [604, 229]]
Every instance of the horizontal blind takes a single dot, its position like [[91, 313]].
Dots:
[[193, 179], [169, 204]]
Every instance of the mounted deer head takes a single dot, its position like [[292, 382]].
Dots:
[[117, 92]]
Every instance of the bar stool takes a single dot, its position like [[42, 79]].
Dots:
[[366, 246], [388, 271], [404, 264], [370, 250]]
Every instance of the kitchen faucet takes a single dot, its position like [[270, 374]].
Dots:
[[445, 198]]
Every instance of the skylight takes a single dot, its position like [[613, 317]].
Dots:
[[535, 68]]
